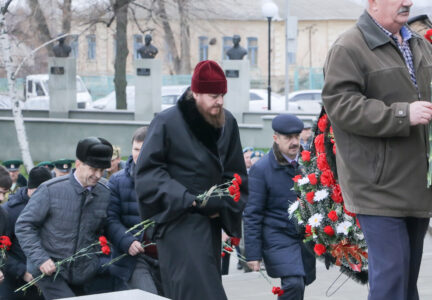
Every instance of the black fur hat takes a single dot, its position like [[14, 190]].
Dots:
[[95, 152]]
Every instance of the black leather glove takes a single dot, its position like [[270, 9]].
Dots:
[[211, 206]]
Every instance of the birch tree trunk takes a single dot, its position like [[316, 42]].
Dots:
[[5, 45]]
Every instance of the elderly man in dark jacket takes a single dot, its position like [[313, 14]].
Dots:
[[269, 233], [188, 149], [138, 270], [377, 95], [16, 263], [65, 215]]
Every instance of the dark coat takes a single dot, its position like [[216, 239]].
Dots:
[[123, 214], [16, 263], [61, 219], [183, 156], [269, 232], [3, 222]]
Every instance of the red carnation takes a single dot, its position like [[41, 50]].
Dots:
[[337, 194], [238, 178], [297, 178], [103, 240], [310, 196], [229, 249], [235, 184], [348, 212], [277, 291], [331, 130], [322, 123], [235, 241], [327, 178], [308, 230], [306, 155], [428, 35], [319, 249], [358, 223], [329, 230], [332, 215], [106, 250], [322, 163], [237, 197], [5, 242], [223, 254], [312, 179], [232, 190], [319, 143]]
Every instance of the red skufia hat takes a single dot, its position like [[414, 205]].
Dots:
[[208, 78]]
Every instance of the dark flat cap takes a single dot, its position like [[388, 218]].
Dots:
[[287, 124], [95, 152]]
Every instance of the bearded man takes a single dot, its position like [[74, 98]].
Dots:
[[188, 149]]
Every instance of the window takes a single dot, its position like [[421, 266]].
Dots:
[[39, 90], [30, 86], [91, 44], [203, 48], [252, 44], [74, 45], [226, 45], [137, 43]]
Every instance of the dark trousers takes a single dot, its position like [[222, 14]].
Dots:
[[60, 288], [293, 287], [395, 247], [9, 285]]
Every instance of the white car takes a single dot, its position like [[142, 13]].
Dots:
[[170, 95], [37, 94], [307, 101], [258, 101]]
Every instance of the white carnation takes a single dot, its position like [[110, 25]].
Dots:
[[343, 227], [315, 220], [320, 195], [303, 181], [293, 207]]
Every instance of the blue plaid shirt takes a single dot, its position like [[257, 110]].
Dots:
[[404, 48]]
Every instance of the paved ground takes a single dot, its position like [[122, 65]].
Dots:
[[251, 286]]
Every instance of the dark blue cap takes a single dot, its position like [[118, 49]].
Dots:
[[287, 124]]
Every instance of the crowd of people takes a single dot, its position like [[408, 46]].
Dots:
[[177, 164]]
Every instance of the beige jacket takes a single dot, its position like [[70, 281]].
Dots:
[[382, 161]]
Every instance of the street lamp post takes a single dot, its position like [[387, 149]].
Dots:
[[269, 10]]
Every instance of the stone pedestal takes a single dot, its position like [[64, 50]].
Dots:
[[130, 294], [148, 84], [237, 98], [62, 86]]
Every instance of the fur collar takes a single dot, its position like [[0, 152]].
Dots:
[[202, 130]]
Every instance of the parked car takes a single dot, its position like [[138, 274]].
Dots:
[[258, 101], [307, 101], [36, 93], [170, 94]]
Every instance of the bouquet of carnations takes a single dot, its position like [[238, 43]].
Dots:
[[320, 211], [5, 244]]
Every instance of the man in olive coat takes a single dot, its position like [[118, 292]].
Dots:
[[188, 149], [377, 95]]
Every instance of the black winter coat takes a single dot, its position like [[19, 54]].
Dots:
[[183, 156], [269, 233]]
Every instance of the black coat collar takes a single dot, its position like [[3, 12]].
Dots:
[[202, 130]]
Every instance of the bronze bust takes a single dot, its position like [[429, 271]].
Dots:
[[148, 50], [237, 52]]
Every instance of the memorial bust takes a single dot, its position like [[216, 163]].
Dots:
[[237, 52], [62, 49], [148, 50]]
